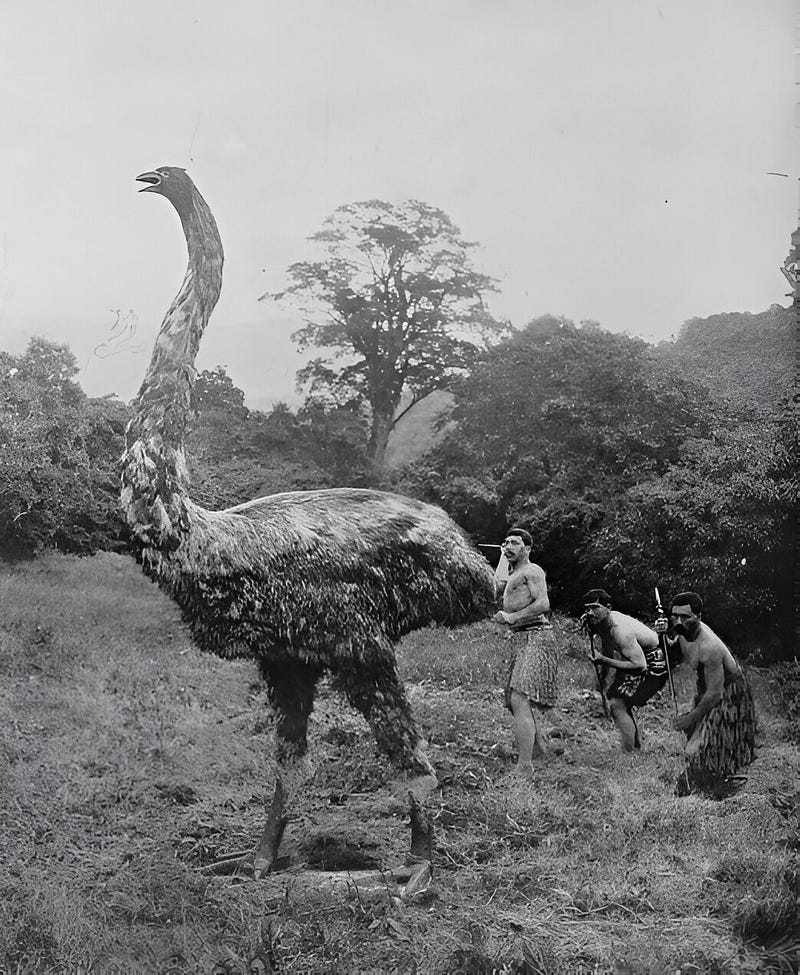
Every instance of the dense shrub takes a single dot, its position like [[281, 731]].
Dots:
[[58, 455]]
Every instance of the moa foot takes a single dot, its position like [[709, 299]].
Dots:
[[419, 780], [260, 861], [253, 864]]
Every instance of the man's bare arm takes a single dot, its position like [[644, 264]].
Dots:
[[632, 658], [540, 603], [715, 688]]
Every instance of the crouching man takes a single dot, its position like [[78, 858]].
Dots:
[[720, 727], [640, 670]]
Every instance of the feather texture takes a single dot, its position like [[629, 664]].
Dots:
[[327, 573]]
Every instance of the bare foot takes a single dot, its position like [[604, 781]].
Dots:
[[524, 771], [545, 751]]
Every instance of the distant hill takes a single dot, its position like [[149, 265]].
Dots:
[[415, 433]]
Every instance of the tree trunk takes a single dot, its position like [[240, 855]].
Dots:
[[379, 439]]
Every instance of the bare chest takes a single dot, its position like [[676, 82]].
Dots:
[[517, 594], [691, 654]]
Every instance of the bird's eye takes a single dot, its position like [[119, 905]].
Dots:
[[163, 173]]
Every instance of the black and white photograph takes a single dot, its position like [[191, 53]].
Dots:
[[399, 497]]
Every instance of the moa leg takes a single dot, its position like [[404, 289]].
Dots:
[[291, 686], [374, 688]]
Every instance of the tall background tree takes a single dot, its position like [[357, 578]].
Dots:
[[397, 306]]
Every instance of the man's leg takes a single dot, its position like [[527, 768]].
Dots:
[[530, 730], [541, 745], [544, 746], [624, 722], [524, 730]]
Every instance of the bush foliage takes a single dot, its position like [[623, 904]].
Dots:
[[58, 486], [628, 468]]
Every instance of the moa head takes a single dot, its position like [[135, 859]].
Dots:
[[171, 182]]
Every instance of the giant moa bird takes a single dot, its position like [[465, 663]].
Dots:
[[307, 583]]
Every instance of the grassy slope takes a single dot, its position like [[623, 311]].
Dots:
[[128, 758]]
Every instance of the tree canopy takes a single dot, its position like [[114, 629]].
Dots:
[[717, 521], [396, 301], [629, 469], [745, 360], [214, 390], [597, 398], [549, 428]]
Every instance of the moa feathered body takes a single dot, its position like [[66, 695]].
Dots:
[[306, 582], [331, 576]]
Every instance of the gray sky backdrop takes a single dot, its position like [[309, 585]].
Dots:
[[608, 155]]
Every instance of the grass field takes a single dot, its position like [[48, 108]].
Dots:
[[129, 759]]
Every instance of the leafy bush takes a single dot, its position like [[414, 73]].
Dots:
[[58, 455]]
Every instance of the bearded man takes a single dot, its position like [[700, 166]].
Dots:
[[720, 727]]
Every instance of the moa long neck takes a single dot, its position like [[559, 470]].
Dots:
[[155, 482], [162, 404]]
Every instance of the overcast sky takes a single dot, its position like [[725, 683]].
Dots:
[[609, 156]]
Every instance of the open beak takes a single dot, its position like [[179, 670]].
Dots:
[[152, 179]]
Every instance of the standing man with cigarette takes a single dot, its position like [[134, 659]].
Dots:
[[532, 684]]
